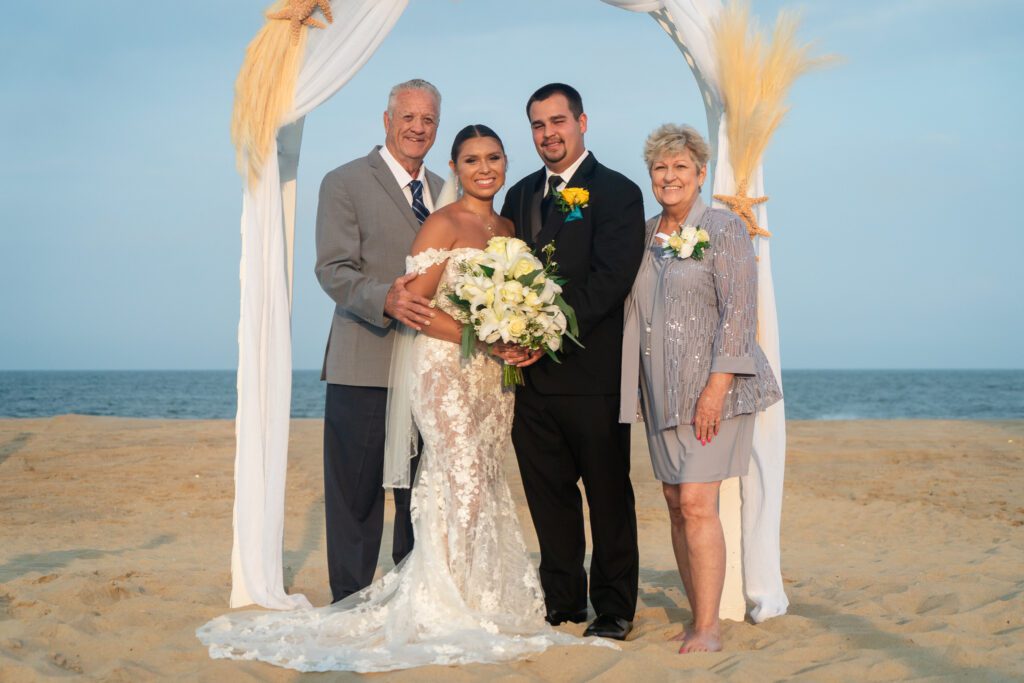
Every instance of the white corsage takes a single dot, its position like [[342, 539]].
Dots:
[[685, 242]]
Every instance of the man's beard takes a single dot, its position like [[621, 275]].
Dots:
[[558, 156]]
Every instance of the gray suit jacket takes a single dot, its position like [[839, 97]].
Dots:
[[364, 230], [703, 320]]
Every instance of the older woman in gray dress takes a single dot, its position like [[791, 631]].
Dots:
[[691, 364]]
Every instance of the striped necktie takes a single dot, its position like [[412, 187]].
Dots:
[[418, 207]]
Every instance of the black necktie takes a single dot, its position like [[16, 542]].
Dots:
[[418, 207], [545, 205]]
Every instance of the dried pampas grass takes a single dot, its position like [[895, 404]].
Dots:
[[265, 91], [755, 73]]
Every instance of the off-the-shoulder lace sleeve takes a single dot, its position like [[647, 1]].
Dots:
[[419, 263]]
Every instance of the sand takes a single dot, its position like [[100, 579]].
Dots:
[[903, 557]]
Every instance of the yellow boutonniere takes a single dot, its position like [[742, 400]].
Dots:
[[571, 201]]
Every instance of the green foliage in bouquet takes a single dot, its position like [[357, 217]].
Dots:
[[507, 294]]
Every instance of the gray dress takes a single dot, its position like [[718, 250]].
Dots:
[[677, 456], [685, 319]]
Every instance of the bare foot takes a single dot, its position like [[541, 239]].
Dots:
[[709, 640], [684, 634]]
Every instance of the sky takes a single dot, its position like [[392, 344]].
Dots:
[[894, 181]]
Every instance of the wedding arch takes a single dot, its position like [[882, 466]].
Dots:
[[306, 52]]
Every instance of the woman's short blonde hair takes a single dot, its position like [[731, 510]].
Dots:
[[670, 139]]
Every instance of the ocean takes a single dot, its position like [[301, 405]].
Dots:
[[810, 394]]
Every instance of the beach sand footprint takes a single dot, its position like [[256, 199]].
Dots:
[[944, 604], [67, 663], [108, 593]]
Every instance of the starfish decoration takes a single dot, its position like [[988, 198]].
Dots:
[[743, 206], [299, 13]]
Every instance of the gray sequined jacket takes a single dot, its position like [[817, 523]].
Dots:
[[704, 320]]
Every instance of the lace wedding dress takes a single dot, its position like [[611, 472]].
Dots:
[[468, 591]]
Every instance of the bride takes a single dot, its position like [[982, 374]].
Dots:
[[467, 592]]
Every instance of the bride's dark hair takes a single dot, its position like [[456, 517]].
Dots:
[[476, 130]]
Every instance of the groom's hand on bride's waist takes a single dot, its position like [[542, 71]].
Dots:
[[407, 307]]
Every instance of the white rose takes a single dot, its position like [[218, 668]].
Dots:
[[496, 245], [511, 292], [523, 264], [686, 249], [516, 326], [689, 234]]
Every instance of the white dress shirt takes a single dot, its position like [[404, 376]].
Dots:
[[403, 178], [565, 175]]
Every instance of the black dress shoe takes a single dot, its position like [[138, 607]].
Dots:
[[555, 617], [609, 626]]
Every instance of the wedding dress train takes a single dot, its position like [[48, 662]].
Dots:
[[468, 591]]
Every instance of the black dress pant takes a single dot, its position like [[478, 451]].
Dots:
[[560, 440], [353, 493]]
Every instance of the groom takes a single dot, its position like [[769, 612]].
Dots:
[[566, 416], [369, 213]]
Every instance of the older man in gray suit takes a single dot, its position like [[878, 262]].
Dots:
[[369, 212]]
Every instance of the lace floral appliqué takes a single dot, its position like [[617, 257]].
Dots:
[[468, 592]]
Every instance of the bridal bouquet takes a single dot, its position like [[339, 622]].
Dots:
[[507, 294]]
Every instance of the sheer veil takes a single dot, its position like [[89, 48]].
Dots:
[[401, 440], [449, 193]]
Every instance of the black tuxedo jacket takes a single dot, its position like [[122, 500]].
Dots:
[[599, 255]]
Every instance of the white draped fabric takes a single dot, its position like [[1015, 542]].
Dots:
[[689, 23], [333, 56]]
